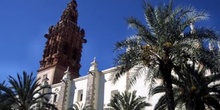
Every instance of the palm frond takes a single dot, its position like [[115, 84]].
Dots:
[[145, 35], [128, 101], [158, 89], [213, 102], [135, 73], [161, 104], [25, 91]]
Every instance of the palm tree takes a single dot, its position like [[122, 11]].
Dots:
[[25, 92], [78, 106], [5, 101], [161, 44], [198, 88], [128, 101]]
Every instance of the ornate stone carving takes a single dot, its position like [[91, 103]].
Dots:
[[64, 43]]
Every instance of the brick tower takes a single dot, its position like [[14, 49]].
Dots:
[[63, 47]]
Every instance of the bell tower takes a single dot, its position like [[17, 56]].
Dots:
[[63, 47]]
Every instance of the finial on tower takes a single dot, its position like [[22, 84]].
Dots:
[[66, 75], [192, 28], [67, 70], [94, 65], [182, 34], [94, 60]]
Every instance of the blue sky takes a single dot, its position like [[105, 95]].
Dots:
[[23, 24]]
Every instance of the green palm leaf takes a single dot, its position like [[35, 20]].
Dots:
[[128, 101], [25, 92]]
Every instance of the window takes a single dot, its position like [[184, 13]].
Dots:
[[80, 95], [55, 98]]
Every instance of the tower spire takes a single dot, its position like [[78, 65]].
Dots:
[[63, 47], [70, 13]]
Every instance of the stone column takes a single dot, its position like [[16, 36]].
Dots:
[[93, 86], [65, 91], [90, 91], [68, 91], [61, 100]]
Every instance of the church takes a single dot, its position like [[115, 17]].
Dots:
[[60, 65]]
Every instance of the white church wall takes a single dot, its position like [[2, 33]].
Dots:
[[142, 89], [109, 87], [79, 90], [141, 86], [106, 89]]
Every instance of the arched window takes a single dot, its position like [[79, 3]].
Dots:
[[65, 49]]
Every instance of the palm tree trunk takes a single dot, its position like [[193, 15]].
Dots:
[[189, 105], [166, 68]]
